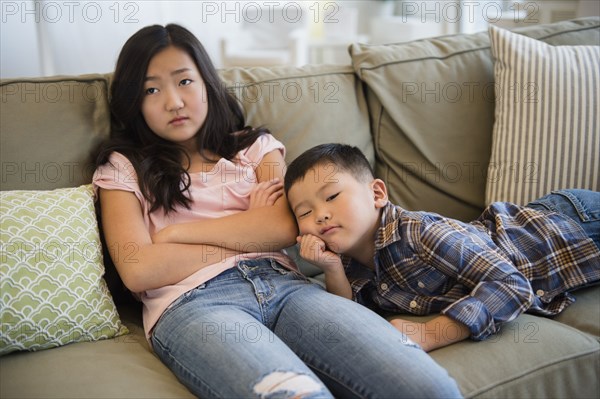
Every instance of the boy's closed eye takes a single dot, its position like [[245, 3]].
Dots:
[[302, 213], [332, 197]]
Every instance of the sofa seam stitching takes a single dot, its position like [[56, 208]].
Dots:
[[46, 80], [227, 82], [468, 50]]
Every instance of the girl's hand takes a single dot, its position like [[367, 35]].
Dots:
[[314, 250], [266, 193]]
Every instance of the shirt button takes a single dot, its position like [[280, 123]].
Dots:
[[384, 286], [421, 284], [540, 292], [413, 304]]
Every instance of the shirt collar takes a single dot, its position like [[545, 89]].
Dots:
[[388, 232]]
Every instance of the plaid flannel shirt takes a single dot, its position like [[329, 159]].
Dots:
[[484, 273]]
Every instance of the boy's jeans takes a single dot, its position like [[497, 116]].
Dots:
[[583, 206], [259, 330]]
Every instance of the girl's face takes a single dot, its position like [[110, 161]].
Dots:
[[175, 103]]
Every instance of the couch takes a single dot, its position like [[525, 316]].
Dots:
[[423, 112]]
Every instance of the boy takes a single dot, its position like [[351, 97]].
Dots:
[[477, 275]]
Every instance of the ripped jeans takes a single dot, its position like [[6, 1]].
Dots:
[[261, 331]]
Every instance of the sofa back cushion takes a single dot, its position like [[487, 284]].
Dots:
[[50, 126], [431, 103], [304, 107]]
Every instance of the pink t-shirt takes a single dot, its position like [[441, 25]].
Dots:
[[222, 191]]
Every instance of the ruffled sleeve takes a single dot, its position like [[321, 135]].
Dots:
[[263, 145], [118, 174]]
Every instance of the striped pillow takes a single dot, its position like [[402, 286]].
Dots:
[[547, 125]]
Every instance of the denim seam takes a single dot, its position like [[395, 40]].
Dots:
[[258, 297]]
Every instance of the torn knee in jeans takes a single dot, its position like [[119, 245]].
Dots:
[[284, 384]]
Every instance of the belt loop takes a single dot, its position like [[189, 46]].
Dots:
[[277, 266], [241, 266]]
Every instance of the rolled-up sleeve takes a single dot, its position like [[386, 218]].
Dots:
[[263, 145], [499, 292], [117, 174]]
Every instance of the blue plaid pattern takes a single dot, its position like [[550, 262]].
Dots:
[[484, 273]]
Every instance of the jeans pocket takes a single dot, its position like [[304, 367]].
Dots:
[[183, 298], [582, 205], [586, 203]]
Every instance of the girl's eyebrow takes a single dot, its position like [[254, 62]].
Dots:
[[175, 72]]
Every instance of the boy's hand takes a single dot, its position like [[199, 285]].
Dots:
[[433, 334], [266, 193], [314, 250]]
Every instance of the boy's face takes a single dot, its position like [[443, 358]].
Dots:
[[333, 205]]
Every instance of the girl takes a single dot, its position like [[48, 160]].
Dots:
[[198, 196]]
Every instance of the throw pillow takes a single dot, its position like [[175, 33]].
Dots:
[[51, 290], [546, 130]]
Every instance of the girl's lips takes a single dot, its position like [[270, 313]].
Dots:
[[178, 121]]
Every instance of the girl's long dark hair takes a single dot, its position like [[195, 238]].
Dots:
[[158, 163]]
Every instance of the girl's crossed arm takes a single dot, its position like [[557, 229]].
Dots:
[[266, 228], [142, 264]]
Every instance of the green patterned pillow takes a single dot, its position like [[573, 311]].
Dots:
[[51, 290]]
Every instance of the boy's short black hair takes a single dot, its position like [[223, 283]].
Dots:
[[345, 157]]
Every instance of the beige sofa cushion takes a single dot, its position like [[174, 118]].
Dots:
[[123, 367], [583, 314], [50, 126], [531, 357], [432, 112], [304, 107], [548, 360]]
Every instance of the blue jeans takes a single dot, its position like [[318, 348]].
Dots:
[[259, 330], [583, 206]]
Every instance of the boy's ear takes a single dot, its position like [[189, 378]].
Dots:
[[380, 194]]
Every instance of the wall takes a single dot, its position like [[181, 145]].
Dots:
[[50, 37]]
